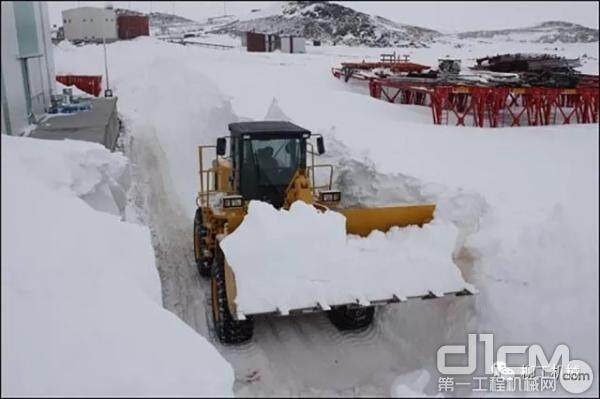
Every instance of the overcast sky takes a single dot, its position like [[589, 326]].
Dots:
[[443, 16]]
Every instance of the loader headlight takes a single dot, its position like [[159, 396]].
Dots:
[[233, 201], [330, 196]]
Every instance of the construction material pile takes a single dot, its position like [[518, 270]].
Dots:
[[526, 63], [543, 70], [302, 258], [389, 65], [507, 70], [449, 73]]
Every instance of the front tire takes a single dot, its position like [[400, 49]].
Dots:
[[229, 330], [347, 318], [202, 262]]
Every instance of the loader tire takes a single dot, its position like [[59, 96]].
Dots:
[[202, 263], [228, 330], [351, 318]]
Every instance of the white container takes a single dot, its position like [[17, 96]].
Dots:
[[293, 44]]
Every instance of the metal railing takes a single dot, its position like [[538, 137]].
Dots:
[[311, 170], [312, 173], [204, 192]]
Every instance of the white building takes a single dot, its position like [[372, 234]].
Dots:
[[92, 24], [293, 44], [27, 64]]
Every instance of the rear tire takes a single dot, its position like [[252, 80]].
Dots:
[[350, 317], [202, 262], [229, 330]]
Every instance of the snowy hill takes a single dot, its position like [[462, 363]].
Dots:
[[546, 32], [164, 23], [337, 24], [170, 24], [160, 18], [332, 23]]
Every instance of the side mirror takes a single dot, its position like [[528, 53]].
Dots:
[[320, 145], [221, 146]]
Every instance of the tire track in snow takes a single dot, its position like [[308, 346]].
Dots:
[[183, 290]]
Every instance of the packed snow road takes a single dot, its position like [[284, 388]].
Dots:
[[525, 201]]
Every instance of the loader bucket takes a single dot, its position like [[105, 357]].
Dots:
[[362, 221], [308, 280]]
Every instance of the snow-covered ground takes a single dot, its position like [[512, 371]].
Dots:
[[81, 298], [524, 200]]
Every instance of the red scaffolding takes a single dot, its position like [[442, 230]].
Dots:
[[466, 105]]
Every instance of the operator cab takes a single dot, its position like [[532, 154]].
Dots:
[[265, 156]]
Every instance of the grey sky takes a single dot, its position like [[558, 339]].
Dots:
[[444, 16]]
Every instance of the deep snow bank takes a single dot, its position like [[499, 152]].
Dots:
[[161, 93], [81, 302], [292, 259]]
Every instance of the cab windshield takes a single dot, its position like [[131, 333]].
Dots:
[[268, 166]]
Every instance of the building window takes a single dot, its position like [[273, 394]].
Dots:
[[105, 19], [69, 20], [91, 19], [64, 21], [84, 20]]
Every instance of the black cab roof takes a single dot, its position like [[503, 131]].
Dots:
[[266, 128]]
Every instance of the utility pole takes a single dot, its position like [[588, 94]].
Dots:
[[108, 91]]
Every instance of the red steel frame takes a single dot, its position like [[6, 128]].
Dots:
[[394, 67], [495, 106]]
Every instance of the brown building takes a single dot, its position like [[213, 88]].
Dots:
[[260, 42], [131, 26]]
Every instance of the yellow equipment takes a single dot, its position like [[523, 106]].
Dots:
[[268, 161]]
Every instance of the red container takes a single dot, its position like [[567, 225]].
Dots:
[[255, 42], [90, 84], [131, 26]]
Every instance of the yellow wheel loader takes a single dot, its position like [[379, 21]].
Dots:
[[274, 162]]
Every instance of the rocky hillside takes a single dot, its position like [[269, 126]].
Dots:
[[546, 32], [333, 23]]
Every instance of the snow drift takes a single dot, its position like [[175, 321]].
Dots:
[[293, 259], [81, 298]]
